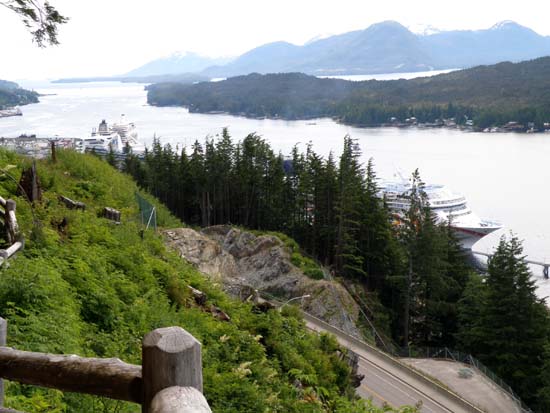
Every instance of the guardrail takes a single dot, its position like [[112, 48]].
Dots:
[[396, 363], [393, 354], [448, 354], [169, 380], [387, 358]]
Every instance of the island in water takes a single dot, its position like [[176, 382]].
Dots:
[[502, 97]]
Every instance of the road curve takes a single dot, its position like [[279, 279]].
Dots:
[[387, 380]]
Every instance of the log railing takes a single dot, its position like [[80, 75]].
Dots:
[[170, 380], [11, 228]]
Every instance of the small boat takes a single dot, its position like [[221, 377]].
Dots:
[[15, 111]]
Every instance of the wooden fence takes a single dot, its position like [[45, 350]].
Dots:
[[11, 229], [169, 380]]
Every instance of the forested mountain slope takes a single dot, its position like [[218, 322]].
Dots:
[[12, 95], [491, 95]]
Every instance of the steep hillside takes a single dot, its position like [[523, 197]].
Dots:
[[245, 264], [86, 286]]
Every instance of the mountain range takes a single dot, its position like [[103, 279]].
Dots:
[[386, 47], [177, 63]]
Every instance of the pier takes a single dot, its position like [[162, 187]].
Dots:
[[544, 265]]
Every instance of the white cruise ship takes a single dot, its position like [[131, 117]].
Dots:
[[447, 206], [117, 137]]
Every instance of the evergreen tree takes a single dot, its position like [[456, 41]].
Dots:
[[543, 394], [470, 308], [111, 160], [199, 213], [376, 237], [512, 330], [225, 164], [435, 275], [326, 210], [348, 259], [515, 323]]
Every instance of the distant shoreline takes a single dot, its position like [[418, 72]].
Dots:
[[463, 128]]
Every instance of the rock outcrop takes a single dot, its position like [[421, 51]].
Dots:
[[245, 263]]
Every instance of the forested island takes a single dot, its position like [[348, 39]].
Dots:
[[184, 78], [482, 97], [12, 95]]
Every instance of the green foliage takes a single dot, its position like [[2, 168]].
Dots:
[[315, 273], [12, 95], [434, 275], [510, 333], [332, 211], [86, 286], [282, 95], [490, 95]]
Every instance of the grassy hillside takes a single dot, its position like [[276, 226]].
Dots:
[[86, 286]]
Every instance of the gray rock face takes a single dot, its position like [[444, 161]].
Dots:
[[243, 262]]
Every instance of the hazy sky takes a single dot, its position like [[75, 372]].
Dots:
[[108, 37]]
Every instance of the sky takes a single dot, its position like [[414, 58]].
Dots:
[[112, 37]]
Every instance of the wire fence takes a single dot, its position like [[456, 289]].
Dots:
[[148, 212]]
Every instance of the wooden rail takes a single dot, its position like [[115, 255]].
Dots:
[[170, 380], [69, 203]]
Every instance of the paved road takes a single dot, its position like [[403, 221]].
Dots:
[[383, 388], [389, 381]]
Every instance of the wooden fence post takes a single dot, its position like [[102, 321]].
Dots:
[[54, 154], [3, 337], [170, 357], [179, 400], [12, 229]]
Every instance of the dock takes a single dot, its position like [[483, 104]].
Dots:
[[544, 265]]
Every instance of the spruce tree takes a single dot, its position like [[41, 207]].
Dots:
[[377, 241], [470, 307], [514, 324], [348, 259]]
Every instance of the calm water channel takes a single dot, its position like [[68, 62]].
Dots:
[[503, 176]]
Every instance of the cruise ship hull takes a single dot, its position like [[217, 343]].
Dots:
[[469, 236]]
